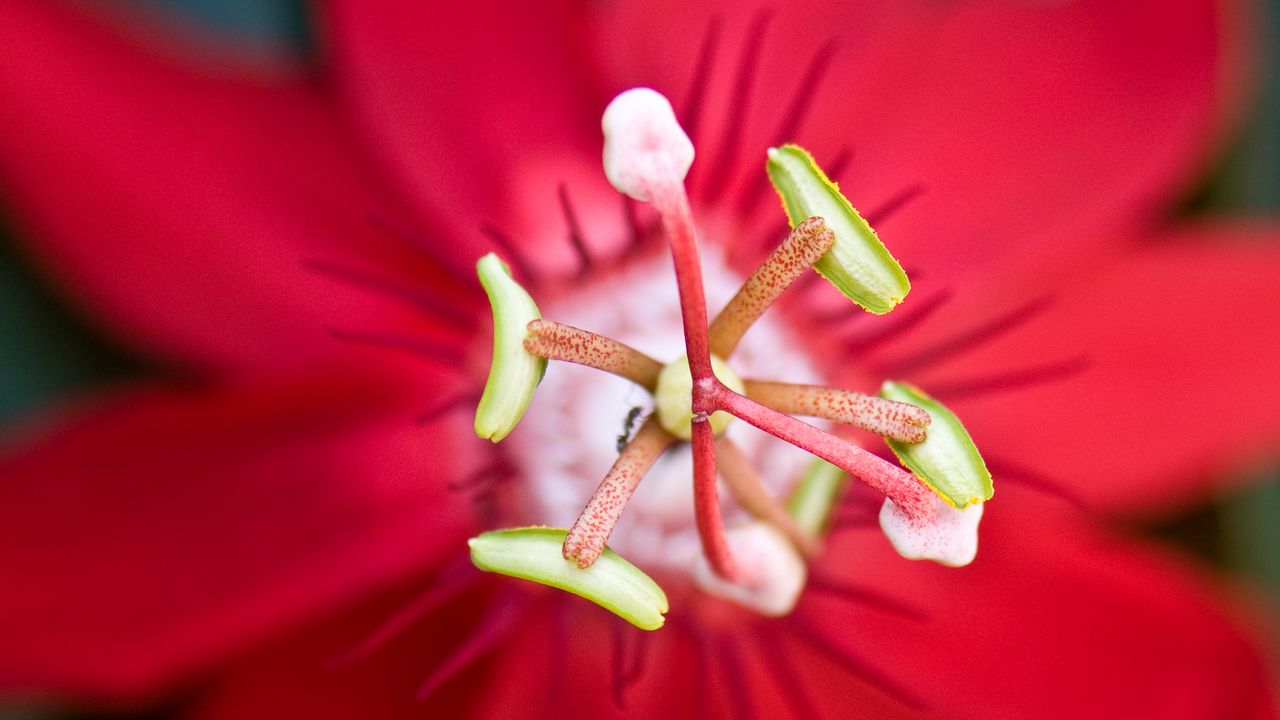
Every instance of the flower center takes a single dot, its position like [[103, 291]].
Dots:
[[760, 562], [674, 396], [569, 437]]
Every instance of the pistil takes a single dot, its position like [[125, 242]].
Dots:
[[647, 156]]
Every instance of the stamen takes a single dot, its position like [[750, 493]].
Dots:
[[793, 256], [755, 498], [913, 496], [835, 168], [798, 107], [590, 532], [896, 420], [555, 341]]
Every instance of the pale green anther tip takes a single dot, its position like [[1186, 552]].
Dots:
[[535, 554], [947, 461], [514, 373], [858, 264]]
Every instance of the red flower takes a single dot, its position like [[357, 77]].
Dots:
[[249, 519]]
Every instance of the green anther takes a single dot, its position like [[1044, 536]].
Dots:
[[947, 460], [535, 553], [815, 495], [514, 373], [858, 264]]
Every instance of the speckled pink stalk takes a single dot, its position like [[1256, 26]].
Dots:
[[796, 254], [554, 341], [590, 532], [891, 419], [908, 493]]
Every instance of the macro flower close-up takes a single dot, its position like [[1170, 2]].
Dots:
[[389, 301]]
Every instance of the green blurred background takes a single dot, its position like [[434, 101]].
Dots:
[[47, 353]]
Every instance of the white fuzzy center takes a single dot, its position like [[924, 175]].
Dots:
[[568, 439]]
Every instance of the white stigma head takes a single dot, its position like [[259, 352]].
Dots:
[[644, 146], [949, 536], [774, 573]]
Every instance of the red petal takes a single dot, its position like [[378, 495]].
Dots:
[[478, 111], [147, 536], [179, 205], [1019, 119], [1170, 359], [1054, 620]]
